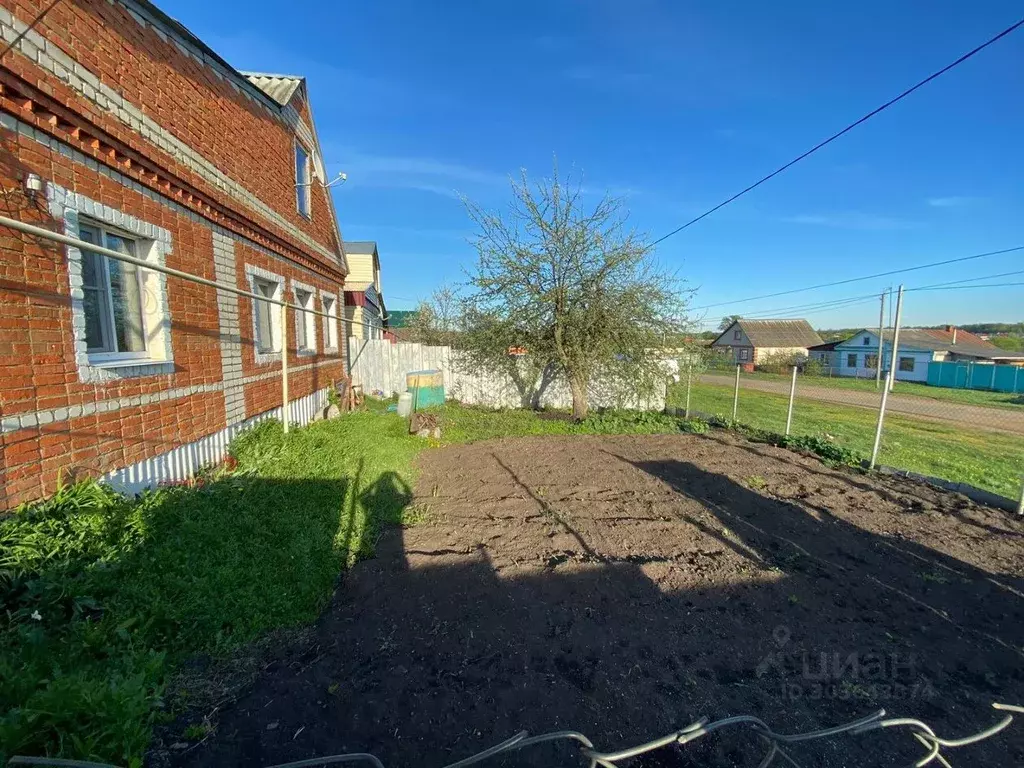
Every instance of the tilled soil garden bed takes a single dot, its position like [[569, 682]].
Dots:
[[626, 586]]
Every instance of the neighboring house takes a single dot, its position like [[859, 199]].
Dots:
[[824, 354], [858, 355], [751, 341], [119, 127], [365, 314]]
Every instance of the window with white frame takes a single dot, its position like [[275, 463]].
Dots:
[[267, 341], [744, 353], [114, 297], [303, 179], [330, 305], [305, 321], [121, 321]]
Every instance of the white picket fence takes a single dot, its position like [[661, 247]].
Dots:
[[381, 367]]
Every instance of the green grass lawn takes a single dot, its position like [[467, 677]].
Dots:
[[989, 460], [965, 396], [101, 598]]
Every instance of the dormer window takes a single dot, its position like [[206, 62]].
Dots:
[[303, 179]]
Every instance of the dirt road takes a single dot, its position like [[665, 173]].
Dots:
[[626, 586], [974, 416]]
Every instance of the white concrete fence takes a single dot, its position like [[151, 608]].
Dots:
[[380, 366]]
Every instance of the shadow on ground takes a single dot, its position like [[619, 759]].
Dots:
[[608, 586]]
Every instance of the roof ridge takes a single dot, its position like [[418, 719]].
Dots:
[[249, 73]]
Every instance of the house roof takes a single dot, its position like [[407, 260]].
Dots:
[[828, 346], [368, 247], [776, 333], [936, 339], [280, 88]]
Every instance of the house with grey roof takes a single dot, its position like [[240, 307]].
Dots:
[[752, 341], [366, 317], [858, 355]]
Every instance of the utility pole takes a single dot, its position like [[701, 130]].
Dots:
[[881, 343], [889, 379]]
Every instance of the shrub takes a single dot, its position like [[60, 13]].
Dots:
[[778, 362], [814, 367]]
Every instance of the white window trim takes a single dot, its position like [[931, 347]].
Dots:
[[328, 347], [303, 186], [252, 272], [153, 244], [307, 317]]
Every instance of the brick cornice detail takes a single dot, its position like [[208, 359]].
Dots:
[[30, 105]]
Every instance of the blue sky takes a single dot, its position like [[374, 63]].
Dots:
[[675, 106]]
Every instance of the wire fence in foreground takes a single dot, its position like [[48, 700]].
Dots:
[[775, 743]]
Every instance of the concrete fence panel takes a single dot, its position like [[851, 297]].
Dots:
[[381, 367]]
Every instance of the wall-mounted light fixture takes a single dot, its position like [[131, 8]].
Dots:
[[33, 184]]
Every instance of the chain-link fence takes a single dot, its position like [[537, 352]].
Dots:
[[969, 438]]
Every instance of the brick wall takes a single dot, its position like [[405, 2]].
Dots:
[[151, 178]]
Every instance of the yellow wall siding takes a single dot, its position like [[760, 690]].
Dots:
[[354, 321], [762, 352], [360, 273]]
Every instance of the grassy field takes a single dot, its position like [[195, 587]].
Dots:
[[987, 460], [965, 396], [101, 598]]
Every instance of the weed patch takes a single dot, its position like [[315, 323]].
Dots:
[[101, 596]]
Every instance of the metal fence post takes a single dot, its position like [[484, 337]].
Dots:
[[689, 380], [736, 394], [881, 343], [889, 380], [284, 366], [792, 396], [1020, 504]]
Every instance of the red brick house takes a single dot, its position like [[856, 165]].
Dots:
[[119, 127]]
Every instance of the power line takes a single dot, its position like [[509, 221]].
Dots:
[[961, 287], [846, 301], [814, 305], [970, 280], [800, 311], [865, 277], [845, 130]]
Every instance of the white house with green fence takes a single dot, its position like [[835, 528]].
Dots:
[[857, 356]]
